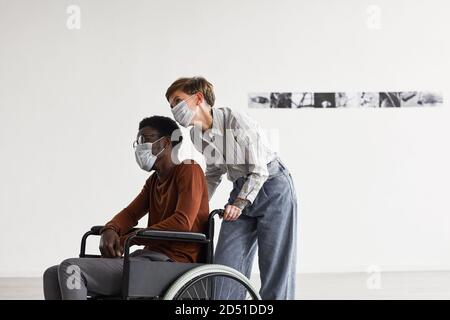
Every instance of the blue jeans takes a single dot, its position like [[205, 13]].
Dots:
[[270, 223]]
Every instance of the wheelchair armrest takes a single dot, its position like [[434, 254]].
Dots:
[[94, 231], [171, 235], [149, 234]]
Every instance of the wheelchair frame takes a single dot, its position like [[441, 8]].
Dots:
[[184, 270]]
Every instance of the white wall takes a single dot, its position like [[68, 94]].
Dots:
[[373, 184]]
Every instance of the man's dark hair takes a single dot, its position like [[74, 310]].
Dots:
[[165, 127]]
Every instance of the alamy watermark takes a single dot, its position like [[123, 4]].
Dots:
[[73, 21], [373, 281]]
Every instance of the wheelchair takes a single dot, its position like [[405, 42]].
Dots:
[[175, 280]]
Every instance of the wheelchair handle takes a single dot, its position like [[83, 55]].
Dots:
[[219, 212]]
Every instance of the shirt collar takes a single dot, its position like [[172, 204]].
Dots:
[[217, 128]]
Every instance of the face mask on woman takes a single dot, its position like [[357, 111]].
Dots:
[[183, 113], [144, 155]]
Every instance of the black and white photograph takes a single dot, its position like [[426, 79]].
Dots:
[[409, 99], [324, 100], [302, 99], [259, 100], [281, 100], [295, 100]]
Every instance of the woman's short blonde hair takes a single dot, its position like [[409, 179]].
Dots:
[[191, 86]]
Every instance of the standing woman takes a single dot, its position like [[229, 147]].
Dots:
[[262, 207]]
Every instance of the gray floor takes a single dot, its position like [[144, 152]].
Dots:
[[393, 285]]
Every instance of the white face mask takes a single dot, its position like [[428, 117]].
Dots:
[[183, 114], [144, 155]]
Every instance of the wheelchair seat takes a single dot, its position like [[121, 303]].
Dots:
[[150, 279], [176, 280]]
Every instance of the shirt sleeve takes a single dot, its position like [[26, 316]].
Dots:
[[246, 135], [191, 183], [129, 217]]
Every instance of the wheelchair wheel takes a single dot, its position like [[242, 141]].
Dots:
[[212, 282]]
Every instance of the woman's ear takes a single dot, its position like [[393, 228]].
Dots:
[[200, 98]]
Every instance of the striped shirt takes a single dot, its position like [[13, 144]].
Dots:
[[235, 145]]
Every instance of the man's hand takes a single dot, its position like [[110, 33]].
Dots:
[[110, 244]]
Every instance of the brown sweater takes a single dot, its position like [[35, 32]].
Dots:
[[179, 203]]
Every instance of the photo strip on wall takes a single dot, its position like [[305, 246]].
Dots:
[[294, 100]]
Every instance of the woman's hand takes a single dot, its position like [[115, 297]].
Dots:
[[110, 244], [231, 213]]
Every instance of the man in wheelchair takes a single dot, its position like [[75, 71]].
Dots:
[[175, 197]]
